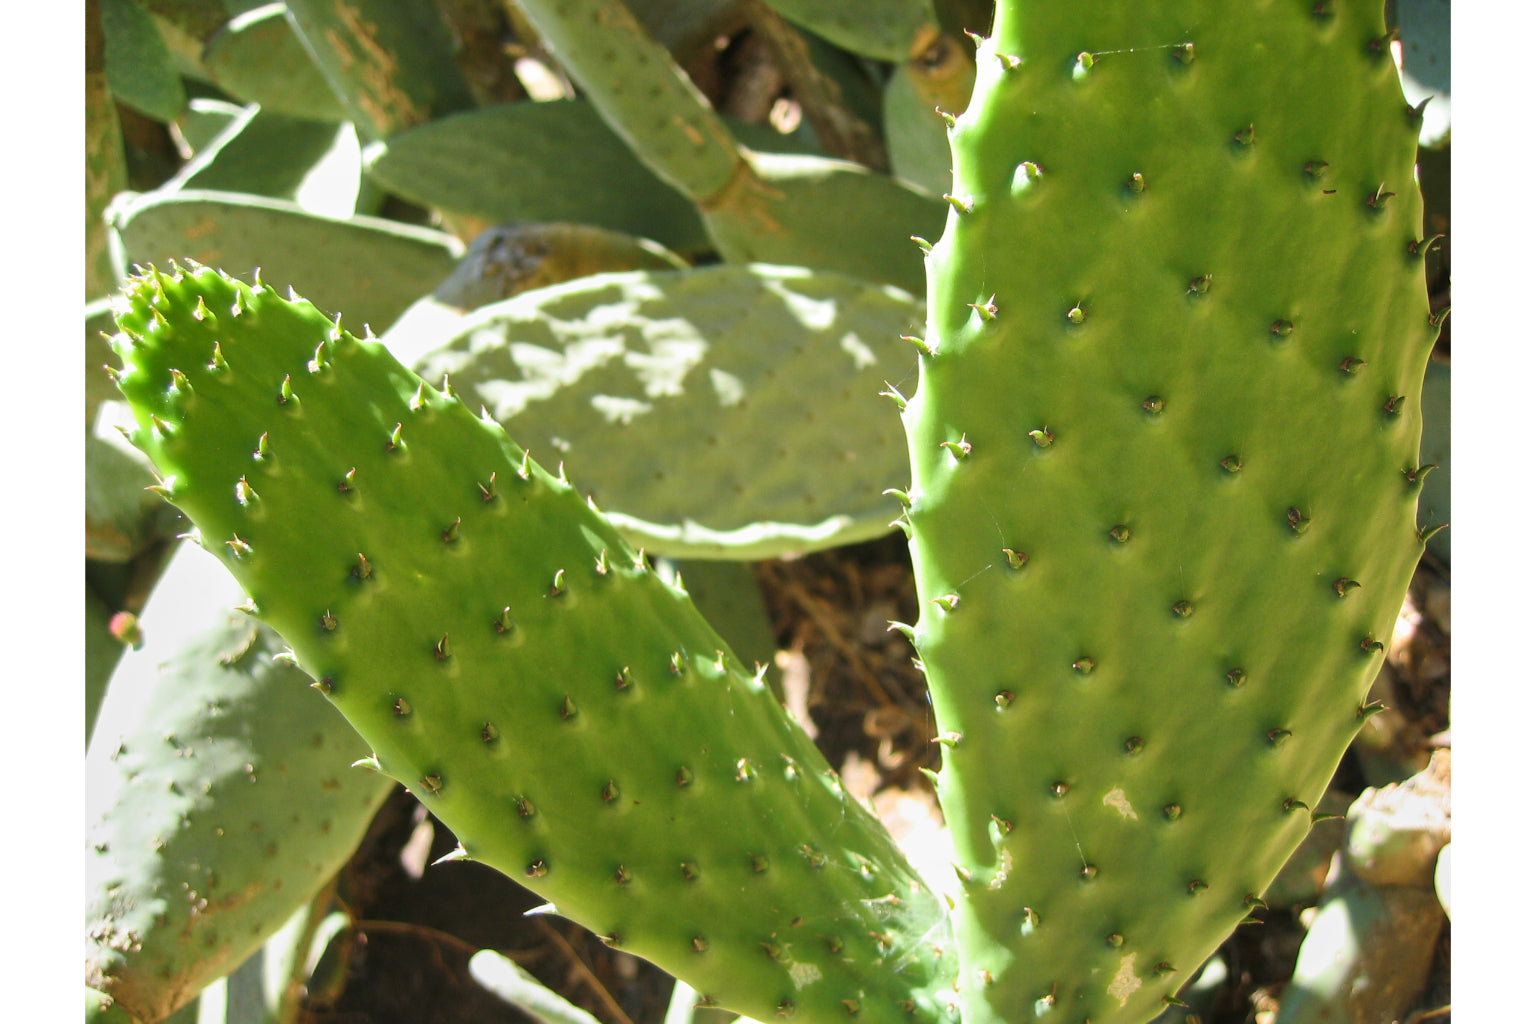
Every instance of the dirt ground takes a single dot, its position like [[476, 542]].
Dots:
[[405, 961]]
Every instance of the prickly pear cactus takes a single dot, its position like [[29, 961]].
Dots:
[[1164, 448], [526, 674], [219, 797]]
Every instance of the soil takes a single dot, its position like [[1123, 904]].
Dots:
[[404, 961]]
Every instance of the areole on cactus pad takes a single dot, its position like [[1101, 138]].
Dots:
[[1164, 449]]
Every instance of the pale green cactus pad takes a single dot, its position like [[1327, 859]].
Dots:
[[552, 161], [256, 57], [219, 796], [883, 29], [723, 412], [370, 267]]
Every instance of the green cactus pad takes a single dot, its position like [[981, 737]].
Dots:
[[219, 797], [121, 518], [728, 594], [938, 79], [205, 120], [640, 92], [789, 209], [722, 412], [372, 268], [106, 167], [830, 215], [1435, 506], [277, 982], [98, 386], [510, 259], [256, 57], [258, 153], [554, 161], [140, 70], [681, 25], [556, 704], [391, 62], [1165, 471]]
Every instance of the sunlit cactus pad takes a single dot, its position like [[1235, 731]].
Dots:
[[729, 411], [548, 696], [1165, 454]]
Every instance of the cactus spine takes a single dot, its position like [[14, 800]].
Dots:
[[1164, 467]]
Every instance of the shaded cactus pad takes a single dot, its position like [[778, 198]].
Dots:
[[221, 796]]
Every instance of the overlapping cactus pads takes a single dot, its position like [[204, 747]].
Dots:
[[516, 664], [1164, 446]]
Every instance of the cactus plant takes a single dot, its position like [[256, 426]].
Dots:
[[390, 63], [367, 264], [513, 560], [220, 801], [258, 58], [1221, 581], [1181, 249], [763, 207]]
